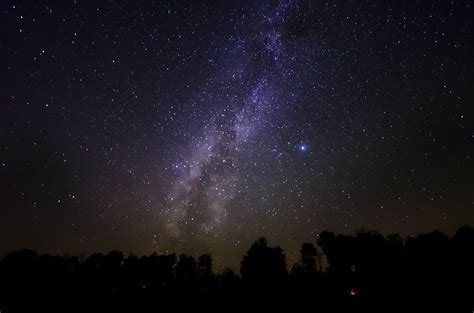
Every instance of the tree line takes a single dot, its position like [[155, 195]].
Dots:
[[361, 272]]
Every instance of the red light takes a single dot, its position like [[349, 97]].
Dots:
[[353, 292]]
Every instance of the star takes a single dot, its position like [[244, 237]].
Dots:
[[303, 147], [225, 123]]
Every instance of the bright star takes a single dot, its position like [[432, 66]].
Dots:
[[303, 147]]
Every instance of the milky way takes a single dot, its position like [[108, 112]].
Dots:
[[211, 176], [197, 127]]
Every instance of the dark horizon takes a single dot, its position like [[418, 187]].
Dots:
[[218, 267], [360, 273]]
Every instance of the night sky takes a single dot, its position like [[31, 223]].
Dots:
[[198, 126]]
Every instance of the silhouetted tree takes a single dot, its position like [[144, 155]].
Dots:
[[304, 273], [166, 265], [339, 251], [308, 257], [462, 267], [263, 264], [205, 266], [427, 272], [186, 268], [114, 260], [228, 278], [94, 261]]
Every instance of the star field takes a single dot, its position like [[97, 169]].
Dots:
[[199, 126]]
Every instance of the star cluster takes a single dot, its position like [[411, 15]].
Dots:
[[198, 126]]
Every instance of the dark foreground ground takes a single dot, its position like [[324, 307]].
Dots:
[[362, 273]]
